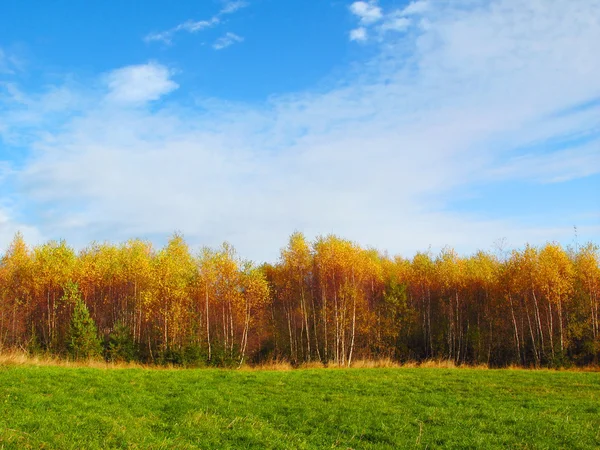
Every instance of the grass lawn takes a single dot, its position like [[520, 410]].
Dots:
[[58, 407]]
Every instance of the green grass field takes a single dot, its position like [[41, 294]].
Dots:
[[58, 407]]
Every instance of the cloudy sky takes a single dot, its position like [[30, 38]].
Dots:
[[400, 125]]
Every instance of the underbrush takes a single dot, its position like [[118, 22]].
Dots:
[[22, 358]]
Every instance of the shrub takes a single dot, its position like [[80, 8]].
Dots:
[[120, 344]]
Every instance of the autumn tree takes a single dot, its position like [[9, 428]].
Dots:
[[53, 265], [328, 299], [16, 283]]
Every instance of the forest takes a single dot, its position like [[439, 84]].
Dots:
[[329, 300]]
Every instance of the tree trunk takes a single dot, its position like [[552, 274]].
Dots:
[[551, 329], [429, 321], [539, 320], [314, 309], [560, 326], [353, 329], [305, 314], [325, 325], [207, 323], [512, 311], [245, 335], [535, 353]]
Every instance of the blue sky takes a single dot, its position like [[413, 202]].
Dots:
[[402, 125]]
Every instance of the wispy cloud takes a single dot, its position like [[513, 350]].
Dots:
[[192, 26], [9, 63], [227, 40], [3, 62], [446, 107], [416, 7], [395, 22], [559, 166], [231, 7], [373, 18]]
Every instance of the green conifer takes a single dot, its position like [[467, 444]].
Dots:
[[83, 342]]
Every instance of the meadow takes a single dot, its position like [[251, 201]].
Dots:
[[82, 407]]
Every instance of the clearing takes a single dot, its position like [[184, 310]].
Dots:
[[61, 407]]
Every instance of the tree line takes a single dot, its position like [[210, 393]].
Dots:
[[329, 300]]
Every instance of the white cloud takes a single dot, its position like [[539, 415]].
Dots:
[[395, 23], [139, 83], [373, 18], [358, 34], [9, 226], [163, 36], [190, 26], [24, 115], [375, 158], [227, 40], [559, 166], [194, 26], [231, 7], [416, 7], [368, 12]]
